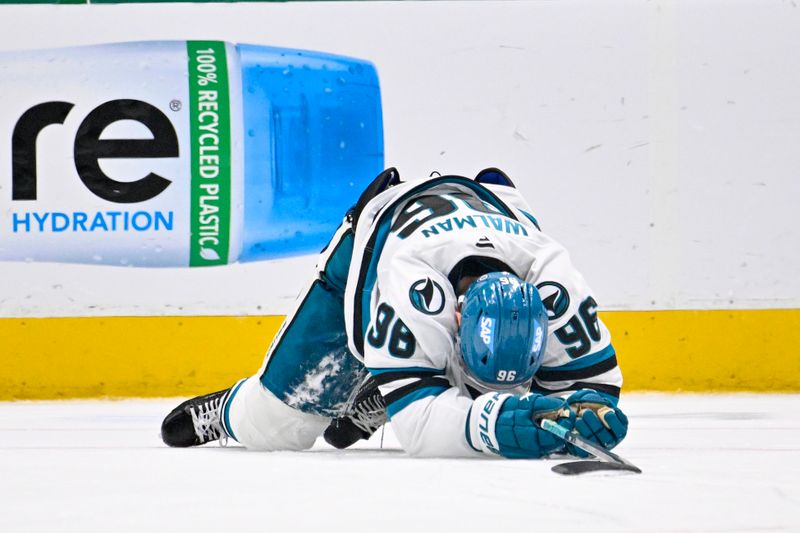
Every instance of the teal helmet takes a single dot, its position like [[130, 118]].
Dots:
[[503, 331]]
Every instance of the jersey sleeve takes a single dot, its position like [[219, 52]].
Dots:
[[407, 346], [579, 353]]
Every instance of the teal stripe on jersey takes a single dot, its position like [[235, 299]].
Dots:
[[372, 274], [532, 219], [467, 431], [395, 407], [582, 362], [379, 371]]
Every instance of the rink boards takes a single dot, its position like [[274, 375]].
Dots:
[[751, 350], [664, 160]]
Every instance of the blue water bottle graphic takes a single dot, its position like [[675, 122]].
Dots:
[[325, 141], [187, 153]]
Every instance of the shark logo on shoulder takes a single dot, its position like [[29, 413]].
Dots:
[[555, 298], [427, 296]]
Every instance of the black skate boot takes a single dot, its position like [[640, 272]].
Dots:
[[194, 422], [367, 412]]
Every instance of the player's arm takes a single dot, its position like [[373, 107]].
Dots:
[[433, 419], [408, 345], [427, 412], [580, 362], [410, 333]]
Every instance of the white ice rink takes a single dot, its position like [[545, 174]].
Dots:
[[711, 463]]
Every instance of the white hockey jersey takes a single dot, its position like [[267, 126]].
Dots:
[[400, 303]]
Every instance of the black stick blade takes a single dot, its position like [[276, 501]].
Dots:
[[575, 468]]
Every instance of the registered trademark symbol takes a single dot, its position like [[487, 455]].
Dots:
[[175, 105]]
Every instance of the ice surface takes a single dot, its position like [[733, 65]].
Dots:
[[711, 463]]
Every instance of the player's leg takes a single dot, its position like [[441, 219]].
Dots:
[[309, 374], [307, 378], [253, 416]]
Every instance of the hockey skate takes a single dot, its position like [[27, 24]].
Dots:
[[367, 412], [195, 422]]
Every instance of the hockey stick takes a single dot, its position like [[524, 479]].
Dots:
[[608, 460]]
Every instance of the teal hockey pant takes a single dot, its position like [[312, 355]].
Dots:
[[309, 374]]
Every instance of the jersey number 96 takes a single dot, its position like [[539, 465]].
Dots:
[[401, 341]]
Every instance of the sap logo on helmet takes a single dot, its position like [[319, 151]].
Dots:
[[89, 148], [487, 330], [538, 337]]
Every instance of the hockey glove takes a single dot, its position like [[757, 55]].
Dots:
[[598, 419], [507, 425]]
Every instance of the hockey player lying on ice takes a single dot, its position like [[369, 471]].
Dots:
[[440, 304]]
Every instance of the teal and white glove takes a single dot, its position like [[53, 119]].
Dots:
[[598, 419], [508, 425]]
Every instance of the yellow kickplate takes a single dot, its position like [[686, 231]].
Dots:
[[45, 358], [129, 356], [749, 350]]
